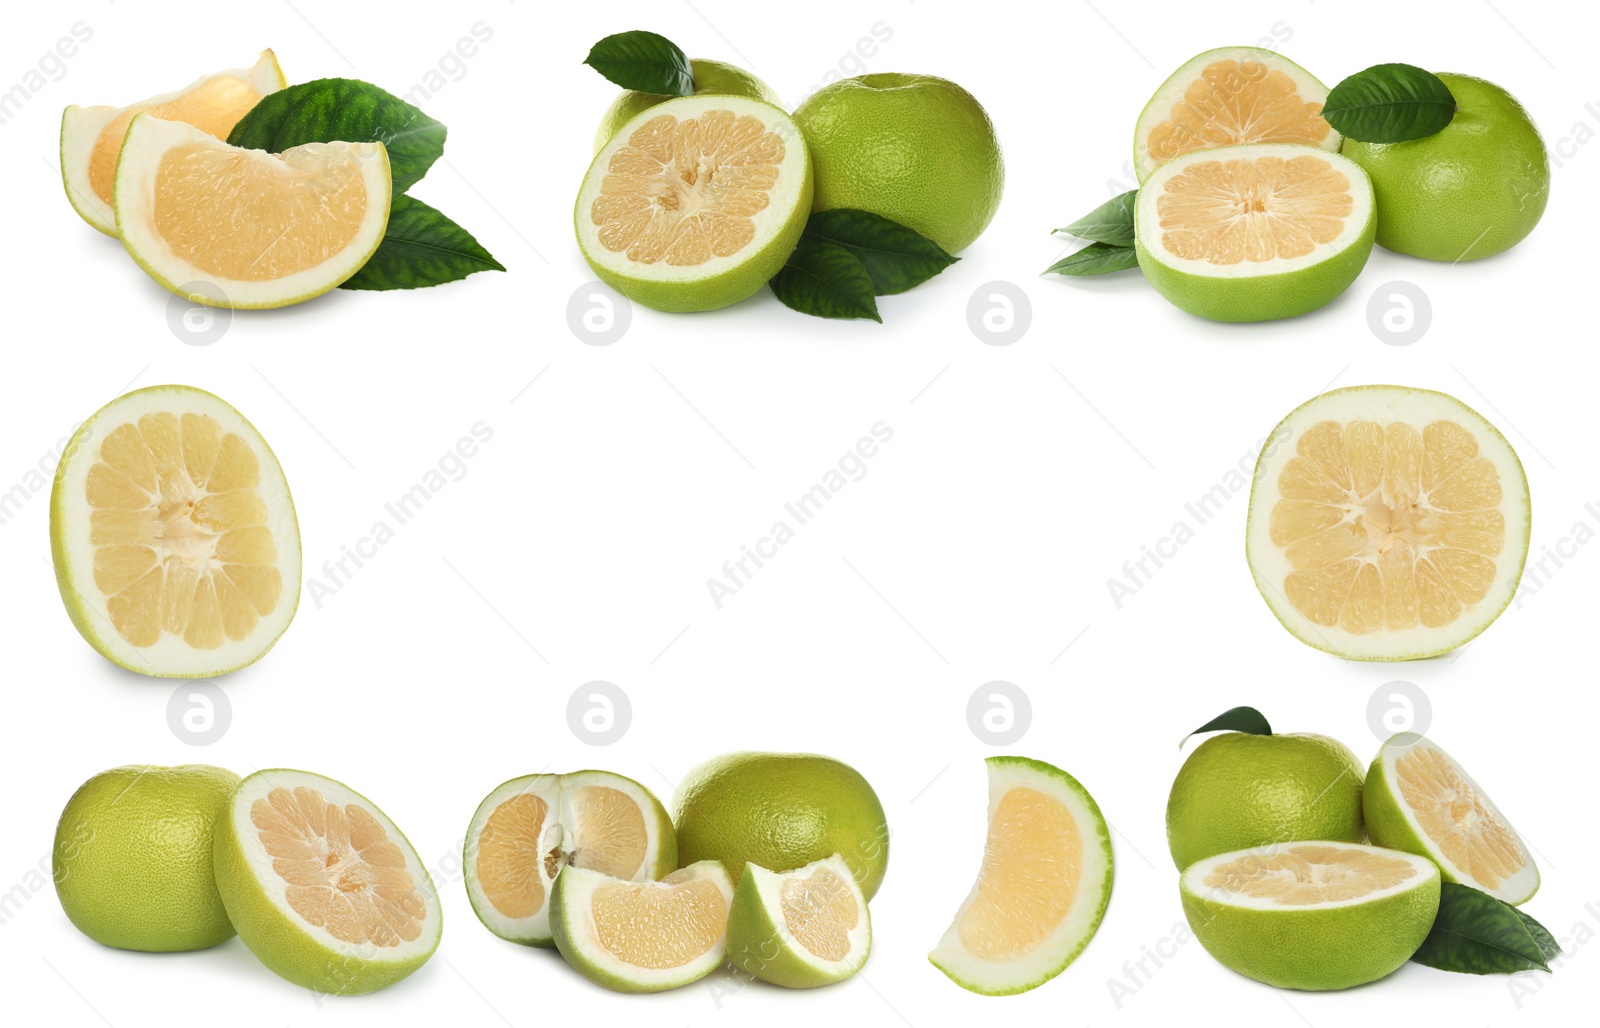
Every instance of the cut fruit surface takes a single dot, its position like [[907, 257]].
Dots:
[[1044, 886], [696, 202], [1418, 799], [1229, 96], [91, 137], [1311, 915], [526, 831], [642, 936], [174, 535], [231, 227], [1254, 232], [799, 929], [1387, 523], [322, 886]]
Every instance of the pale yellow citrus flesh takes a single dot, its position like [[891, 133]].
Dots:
[[608, 822], [820, 911], [1388, 528], [1234, 102], [1032, 866], [1235, 209], [179, 530], [214, 107], [659, 925], [683, 192], [340, 870], [612, 837], [1456, 818], [1308, 873]]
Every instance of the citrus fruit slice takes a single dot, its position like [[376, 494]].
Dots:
[[322, 886], [528, 829], [1418, 799], [1228, 96], [711, 78], [1387, 523], [642, 936], [132, 857], [174, 536], [696, 202], [231, 227], [799, 929], [1254, 232], [91, 137], [1043, 888], [1312, 915]]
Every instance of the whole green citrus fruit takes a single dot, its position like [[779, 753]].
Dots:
[[710, 78]]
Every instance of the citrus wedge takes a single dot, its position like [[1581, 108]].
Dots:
[[1311, 915], [1228, 96], [91, 137], [1387, 523], [799, 929], [174, 536], [1043, 888], [1418, 799], [642, 936], [526, 831], [321, 885], [696, 202], [231, 227], [1254, 232]]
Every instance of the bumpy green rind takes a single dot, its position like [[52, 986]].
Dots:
[[711, 78], [753, 945]]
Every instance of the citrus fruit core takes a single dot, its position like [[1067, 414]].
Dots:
[[1032, 862], [1236, 209], [688, 914], [1308, 873]]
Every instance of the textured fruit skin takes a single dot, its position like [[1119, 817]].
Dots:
[[1472, 190], [1237, 791], [782, 811], [917, 149], [132, 857], [711, 78], [753, 947]]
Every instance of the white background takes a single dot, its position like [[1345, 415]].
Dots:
[[976, 548]]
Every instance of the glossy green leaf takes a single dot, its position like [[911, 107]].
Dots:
[[1110, 223], [1389, 103], [826, 280], [896, 257], [1095, 259], [1236, 719], [421, 248], [1478, 934], [643, 61]]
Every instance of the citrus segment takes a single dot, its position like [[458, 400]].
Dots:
[[802, 928]]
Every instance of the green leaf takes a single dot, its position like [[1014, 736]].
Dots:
[[1236, 719], [826, 280], [421, 248], [897, 258], [344, 110], [643, 61], [1095, 259], [1478, 934], [1111, 222], [1548, 946], [1389, 103]]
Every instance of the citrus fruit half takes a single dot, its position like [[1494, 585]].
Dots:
[[1254, 232], [1418, 799], [711, 78], [1228, 96], [526, 831], [231, 227], [1312, 915], [1043, 888], [132, 857], [802, 928], [174, 536], [696, 202], [91, 137], [1387, 523], [642, 936], [322, 886]]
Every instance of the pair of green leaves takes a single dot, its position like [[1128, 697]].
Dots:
[[643, 61], [848, 258], [1389, 103], [422, 247], [1109, 229]]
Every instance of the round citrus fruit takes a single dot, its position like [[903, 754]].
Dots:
[[1471, 190], [132, 857], [711, 78], [1239, 790], [782, 811], [1387, 523], [916, 149], [1254, 232], [799, 929]]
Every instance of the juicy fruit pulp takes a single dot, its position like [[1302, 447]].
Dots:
[[1395, 526], [799, 929], [711, 78], [1044, 886], [1312, 915]]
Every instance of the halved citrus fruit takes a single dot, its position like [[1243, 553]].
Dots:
[[802, 928], [174, 536], [696, 202], [1043, 888], [525, 832], [1418, 799], [711, 78], [1311, 915], [642, 936], [1228, 96], [231, 227], [322, 886], [91, 137], [1387, 523], [1254, 232]]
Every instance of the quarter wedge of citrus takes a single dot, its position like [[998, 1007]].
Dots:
[[802, 928]]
